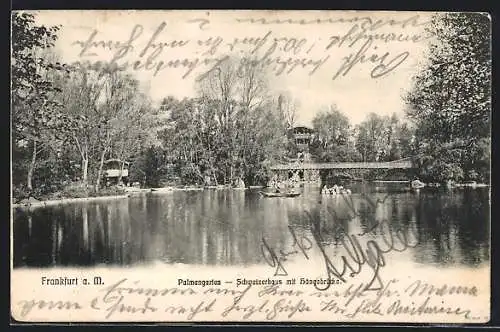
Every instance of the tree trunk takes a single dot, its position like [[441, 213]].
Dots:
[[231, 174], [85, 171], [122, 158], [99, 173], [121, 172], [215, 178], [31, 168]]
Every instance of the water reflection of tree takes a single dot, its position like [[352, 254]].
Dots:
[[35, 247], [196, 228], [66, 235], [226, 227], [273, 216], [452, 227], [212, 227], [474, 230]]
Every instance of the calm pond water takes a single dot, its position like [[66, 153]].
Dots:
[[226, 227]]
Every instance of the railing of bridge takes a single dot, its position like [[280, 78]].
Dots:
[[401, 164]]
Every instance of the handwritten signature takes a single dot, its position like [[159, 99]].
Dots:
[[301, 244], [371, 253]]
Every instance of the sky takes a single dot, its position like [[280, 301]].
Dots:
[[342, 49]]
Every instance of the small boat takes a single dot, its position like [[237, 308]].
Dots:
[[192, 188], [270, 194], [416, 184], [162, 190], [134, 190]]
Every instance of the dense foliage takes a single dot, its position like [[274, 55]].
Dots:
[[450, 102], [377, 138], [66, 122]]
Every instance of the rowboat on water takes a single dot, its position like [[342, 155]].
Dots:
[[270, 194], [416, 184], [162, 190]]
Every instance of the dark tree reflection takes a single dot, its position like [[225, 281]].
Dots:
[[226, 227]]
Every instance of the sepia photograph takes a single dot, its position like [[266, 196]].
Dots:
[[250, 166]]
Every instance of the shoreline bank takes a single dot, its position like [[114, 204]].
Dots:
[[127, 194], [61, 201]]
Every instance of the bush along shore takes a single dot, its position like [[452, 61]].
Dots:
[[73, 194], [69, 194]]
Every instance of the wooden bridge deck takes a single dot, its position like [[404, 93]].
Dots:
[[403, 164]]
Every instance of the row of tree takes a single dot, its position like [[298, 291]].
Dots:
[[66, 121], [448, 119], [450, 101], [231, 133], [377, 138]]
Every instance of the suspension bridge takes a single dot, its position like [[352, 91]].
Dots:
[[406, 163]]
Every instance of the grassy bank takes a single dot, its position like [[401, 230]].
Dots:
[[77, 193], [71, 193]]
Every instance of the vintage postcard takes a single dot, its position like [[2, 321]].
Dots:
[[250, 166]]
